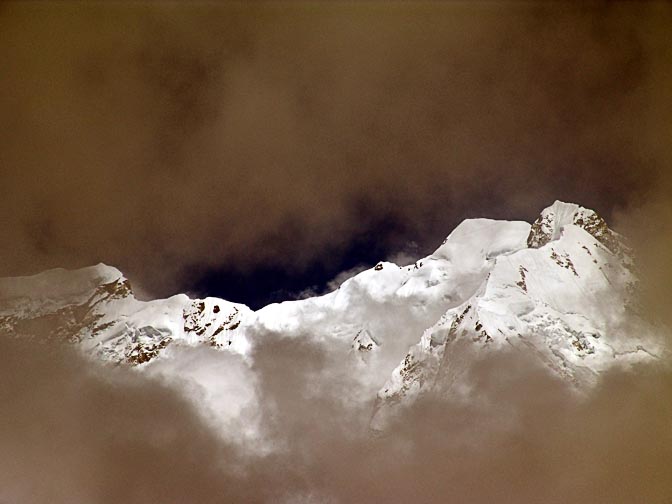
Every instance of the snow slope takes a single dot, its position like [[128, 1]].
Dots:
[[566, 298], [559, 289]]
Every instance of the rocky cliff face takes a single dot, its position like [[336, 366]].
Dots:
[[552, 221]]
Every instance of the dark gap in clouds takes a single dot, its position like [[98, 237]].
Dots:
[[262, 284]]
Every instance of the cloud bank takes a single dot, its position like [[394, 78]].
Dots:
[[169, 139], [74, 432]]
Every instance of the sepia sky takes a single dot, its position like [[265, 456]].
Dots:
[[255, 150]]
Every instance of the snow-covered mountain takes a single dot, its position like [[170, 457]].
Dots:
[[559, 289], [567, 298]]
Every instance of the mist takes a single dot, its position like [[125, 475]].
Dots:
[[76, 431]]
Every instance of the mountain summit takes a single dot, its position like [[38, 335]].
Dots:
[[565, 298]]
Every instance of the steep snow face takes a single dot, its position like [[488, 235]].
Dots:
[[557, 289], [565, 300]]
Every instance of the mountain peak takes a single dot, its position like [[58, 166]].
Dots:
[[549, 225]]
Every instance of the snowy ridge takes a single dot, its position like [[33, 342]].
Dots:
[[566, 299], [558, 288], [95, 307]]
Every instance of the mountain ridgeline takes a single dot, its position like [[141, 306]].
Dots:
[[560, 290]]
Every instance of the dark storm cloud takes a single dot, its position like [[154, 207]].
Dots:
[[160, 136]]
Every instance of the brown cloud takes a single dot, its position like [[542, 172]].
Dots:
[[647, 223], [158, 136], [74, 432], [522, 437]]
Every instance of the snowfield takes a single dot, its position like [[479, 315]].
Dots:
[[560, 289]]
